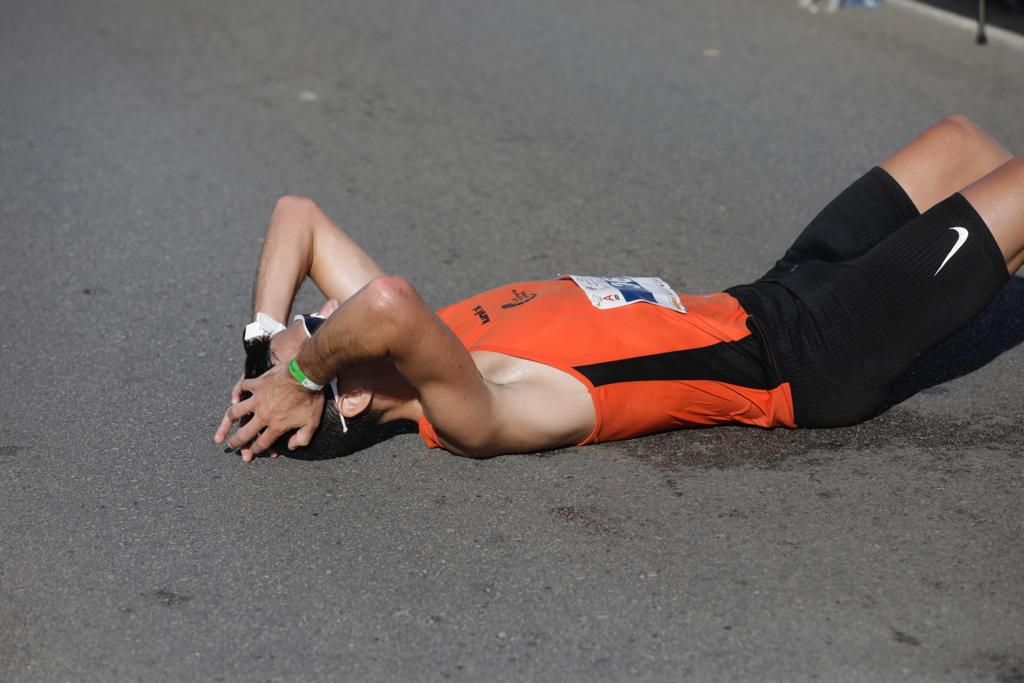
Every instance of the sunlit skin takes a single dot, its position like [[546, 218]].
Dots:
[[391, 353]]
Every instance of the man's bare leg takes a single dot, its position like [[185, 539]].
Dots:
[[944, 159], [999, 199]]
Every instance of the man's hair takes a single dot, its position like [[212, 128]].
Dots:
[[330, 439]]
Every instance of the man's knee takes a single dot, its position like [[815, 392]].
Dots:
[[291, 205], [961, 122], [971, 139]]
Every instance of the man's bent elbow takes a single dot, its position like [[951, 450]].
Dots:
[[393, 301], [390, 293]]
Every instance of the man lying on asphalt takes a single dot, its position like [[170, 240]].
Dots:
[[900, 260]]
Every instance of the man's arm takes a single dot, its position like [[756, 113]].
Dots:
[[301, 240], [388, 319]]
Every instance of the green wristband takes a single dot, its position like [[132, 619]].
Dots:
[[300, 376]]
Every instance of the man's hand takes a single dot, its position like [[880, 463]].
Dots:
[[236, 397], [278, 405]]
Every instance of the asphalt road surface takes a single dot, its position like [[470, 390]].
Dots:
[[466, 144]]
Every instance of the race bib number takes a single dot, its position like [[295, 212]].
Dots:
[[612, 292]]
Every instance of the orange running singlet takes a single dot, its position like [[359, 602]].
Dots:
[[648, 368]]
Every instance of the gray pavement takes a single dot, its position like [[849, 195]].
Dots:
[[466, 144]]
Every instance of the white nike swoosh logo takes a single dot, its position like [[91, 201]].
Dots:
[[961, 238]]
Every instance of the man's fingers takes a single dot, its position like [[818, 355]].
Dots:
[[301, 438], [240, 410], [236, 391], [224, 428], [249, 456], [249, 384], [245, 434], [265, 441], [229, 417]]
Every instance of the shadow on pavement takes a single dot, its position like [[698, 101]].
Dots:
[[999, 328], [384, 433]]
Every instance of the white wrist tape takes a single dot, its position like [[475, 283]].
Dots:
[[262, 326]]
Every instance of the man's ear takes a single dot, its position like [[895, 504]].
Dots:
[[329, 307], [355, 402]]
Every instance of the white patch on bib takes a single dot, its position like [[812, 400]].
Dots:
[[619, 290]]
